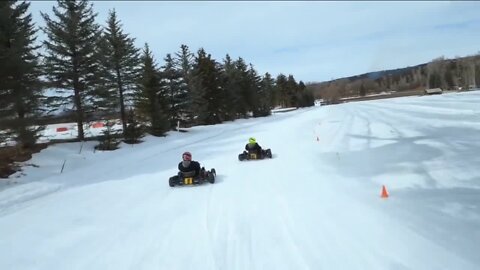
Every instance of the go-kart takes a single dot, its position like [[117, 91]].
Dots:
[[265, 153], [182, 179]]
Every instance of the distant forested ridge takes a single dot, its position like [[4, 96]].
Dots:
[[459, 73]]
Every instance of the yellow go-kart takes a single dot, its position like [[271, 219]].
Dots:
[[187, 180], [266, 153]]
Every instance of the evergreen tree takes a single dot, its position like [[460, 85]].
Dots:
[[184, 60], [150, 101], [122, 63], [135, 130], [172, 86], [291, 91], [229, 84], [305, 96], [20, 88], [259, 100], [281, 90], [103, 100], [72, 61], [244, 96], [309, 98], [108, 140], [207, 93], [198, 104], [268, 86]]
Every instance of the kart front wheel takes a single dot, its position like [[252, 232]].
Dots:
[[211, 176]]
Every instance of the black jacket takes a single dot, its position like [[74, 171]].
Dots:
[[255, 148], [192, 170]]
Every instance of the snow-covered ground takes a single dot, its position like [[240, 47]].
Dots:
[[315, 205]]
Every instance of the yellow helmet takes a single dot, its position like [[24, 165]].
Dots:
[[252, 140]]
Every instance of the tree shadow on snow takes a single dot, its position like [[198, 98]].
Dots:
[[458, 149], [388, 158]]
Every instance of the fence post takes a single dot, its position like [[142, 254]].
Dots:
[[81, 147], [63, 165]]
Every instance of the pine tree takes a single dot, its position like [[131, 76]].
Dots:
[[267, 97], [291, 91], [171, 85], [259, 101], [72, 61], [281, 90], [108, 140], [122, 63], [268, 82], [150, 101], [243, 94], [104, 98], [198, 104], [20, 87], [207, 94], [184, 60], [305, 96], [229, 82], [135, 130]]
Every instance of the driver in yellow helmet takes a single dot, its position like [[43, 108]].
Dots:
[[253, 147]]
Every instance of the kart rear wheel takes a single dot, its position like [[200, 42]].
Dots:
[[211, 176], [269, 153], [171, 181]]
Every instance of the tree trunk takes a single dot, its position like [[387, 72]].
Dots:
[[122, 103], [78, 105]]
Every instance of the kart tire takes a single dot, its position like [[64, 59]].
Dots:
[[171, 181], [211, 176]]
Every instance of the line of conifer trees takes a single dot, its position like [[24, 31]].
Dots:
[[99, 70]]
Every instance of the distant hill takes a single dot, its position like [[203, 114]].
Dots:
[[449, 74], [379, 74]]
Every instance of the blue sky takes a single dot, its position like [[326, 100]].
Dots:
[[314, 41]]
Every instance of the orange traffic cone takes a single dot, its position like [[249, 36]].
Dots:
[[384, 192]]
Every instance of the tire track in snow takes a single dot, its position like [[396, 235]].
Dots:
[[208, 226]]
